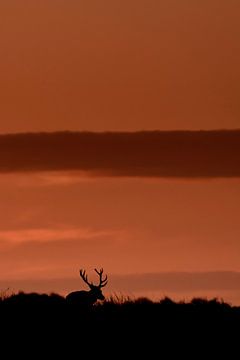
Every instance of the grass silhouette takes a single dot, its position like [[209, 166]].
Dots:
[[120, 309], [128, 326]]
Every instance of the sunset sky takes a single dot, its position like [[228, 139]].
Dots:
[[111, 153]]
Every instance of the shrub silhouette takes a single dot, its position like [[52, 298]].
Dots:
[[51, 321], [140, 316]]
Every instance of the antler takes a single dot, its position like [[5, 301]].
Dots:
[[102, 282], [84, 277]]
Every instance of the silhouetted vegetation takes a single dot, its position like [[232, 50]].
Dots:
[[120, 310], [51, 321]]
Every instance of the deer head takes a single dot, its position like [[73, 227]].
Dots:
[[95, 290]]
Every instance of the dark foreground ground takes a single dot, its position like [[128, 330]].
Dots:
[[49, 322]]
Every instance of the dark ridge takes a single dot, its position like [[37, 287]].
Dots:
[[118, 309], [50, 326]]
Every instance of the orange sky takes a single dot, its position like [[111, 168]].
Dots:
[[119, 65], [53, 223]]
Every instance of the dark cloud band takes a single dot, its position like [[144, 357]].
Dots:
[[178, 282], [144, 154]]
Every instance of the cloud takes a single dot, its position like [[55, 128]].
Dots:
[[186, 154], [179, 281], [50, 235]]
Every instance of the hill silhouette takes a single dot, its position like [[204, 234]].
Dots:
[[50, 323], [141, 311]]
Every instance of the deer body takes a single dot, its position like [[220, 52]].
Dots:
[[88, 298], [84, 297]]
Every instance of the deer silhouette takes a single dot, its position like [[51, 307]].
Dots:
[[88, 298]]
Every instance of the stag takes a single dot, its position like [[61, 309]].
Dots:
[[88, 298]]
